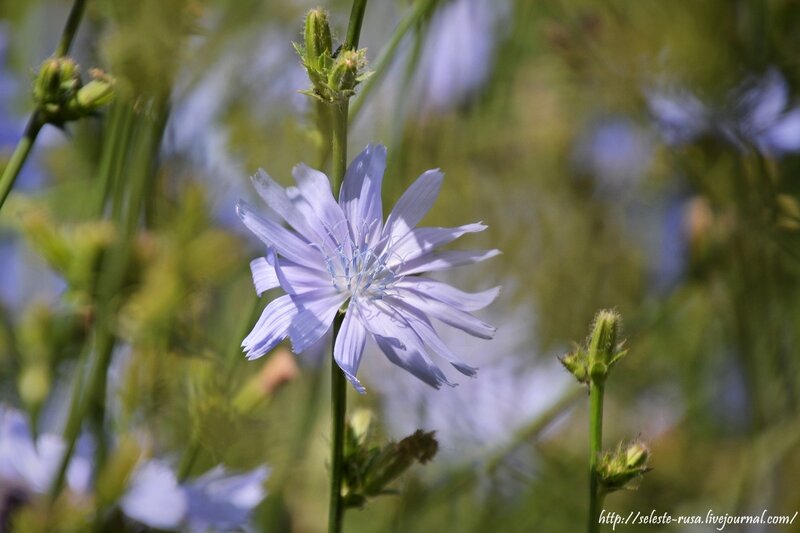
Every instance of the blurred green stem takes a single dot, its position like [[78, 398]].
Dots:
[[595, 444], [19, 156], [387, 55], [68, 35], [36, 121]]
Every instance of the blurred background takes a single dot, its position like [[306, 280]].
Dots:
[[641, 156]]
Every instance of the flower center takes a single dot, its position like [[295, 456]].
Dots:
[[361, 273]]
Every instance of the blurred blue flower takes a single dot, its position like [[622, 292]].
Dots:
[[616, 152], [343, 256], [216, 501], [30, 464], [459, 51], [755, 115]]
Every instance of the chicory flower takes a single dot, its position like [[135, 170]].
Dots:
[[341, 257]]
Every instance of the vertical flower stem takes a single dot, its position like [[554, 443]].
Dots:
[[338, 408], [338, 382], [596, 389], [36, 121]]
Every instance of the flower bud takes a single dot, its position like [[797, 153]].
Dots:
[[624, 467], [317, 33], [34, 385], [96, 93], [575, 362], [342, 78], [604, 350], [56, 83], [637, 455], [361, 425]]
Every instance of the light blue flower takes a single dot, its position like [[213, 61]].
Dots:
[[31, 464], [216, 501], [342, 255]]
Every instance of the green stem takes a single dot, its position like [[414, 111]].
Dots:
[[595, 444], [36, 121], [71, 27], [338, 144], [354, 27], [387, 55], [338, 408], [338, 382], [19, 156]]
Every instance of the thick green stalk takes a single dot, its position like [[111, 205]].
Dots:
[[595, 444], [36, 122], [338, 408], [19, 156]]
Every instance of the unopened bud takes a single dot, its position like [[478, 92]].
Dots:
[[318, 41], [96, 93], [624, 467], [637, 455], [361, 425], [57, 81], [603, 349], [343, 76], [34, 385]]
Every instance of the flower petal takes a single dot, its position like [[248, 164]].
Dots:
[[349, 346], [414, 204], [278, 200], [285, 242], [400, 343], [264, 277], [271, 328], [448, 314], [297, 279], [316, 190], [360, 195], [316, 310], [420, 241], [424, 329], [443, 260], [445, 293]]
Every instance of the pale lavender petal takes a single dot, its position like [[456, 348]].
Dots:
[[264, 277], [360, 196], [443, 260], [316, 310], [297, 279], [316, 190], [448, 314], [414, 204], [271, 328], [285, 242], [276, 198], [466, 301], [154, 497], [349, 346], [424, 329], [401, 345], [421, 241]]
